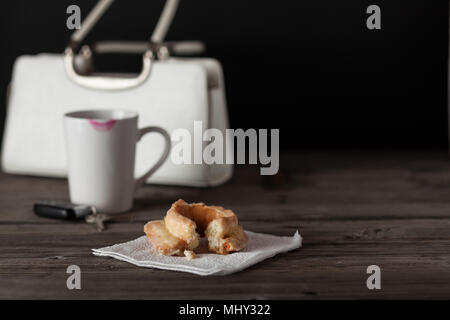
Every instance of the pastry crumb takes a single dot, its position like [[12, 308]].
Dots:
[[189, 254]]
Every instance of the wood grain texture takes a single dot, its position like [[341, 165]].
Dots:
[[353, 209]]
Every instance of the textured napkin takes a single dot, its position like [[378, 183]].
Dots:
[[260, 247]]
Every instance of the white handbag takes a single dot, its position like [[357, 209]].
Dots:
[[169, 92]]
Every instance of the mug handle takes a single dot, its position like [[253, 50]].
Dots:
[[140, 181]]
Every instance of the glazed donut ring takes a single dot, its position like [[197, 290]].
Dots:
[[188, 222]]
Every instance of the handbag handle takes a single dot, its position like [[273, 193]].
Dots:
[[176, 47], [116, 83]]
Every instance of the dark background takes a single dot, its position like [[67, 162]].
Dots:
[[310, 68]]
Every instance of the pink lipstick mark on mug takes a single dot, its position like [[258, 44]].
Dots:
[[102, 126]]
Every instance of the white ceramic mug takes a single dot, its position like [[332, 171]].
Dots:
[[101, 148]]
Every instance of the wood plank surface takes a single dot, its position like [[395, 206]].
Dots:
[[353, 209]]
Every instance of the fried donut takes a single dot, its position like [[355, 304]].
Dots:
[[191, 221], [185, 223]]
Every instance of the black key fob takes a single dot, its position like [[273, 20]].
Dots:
[[62, 210]]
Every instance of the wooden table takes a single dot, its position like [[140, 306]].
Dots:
[[354, 209]]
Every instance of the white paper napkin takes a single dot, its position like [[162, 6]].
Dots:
[[260, 247]]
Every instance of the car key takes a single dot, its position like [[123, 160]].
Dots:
[[62, 210], [69, 211]]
